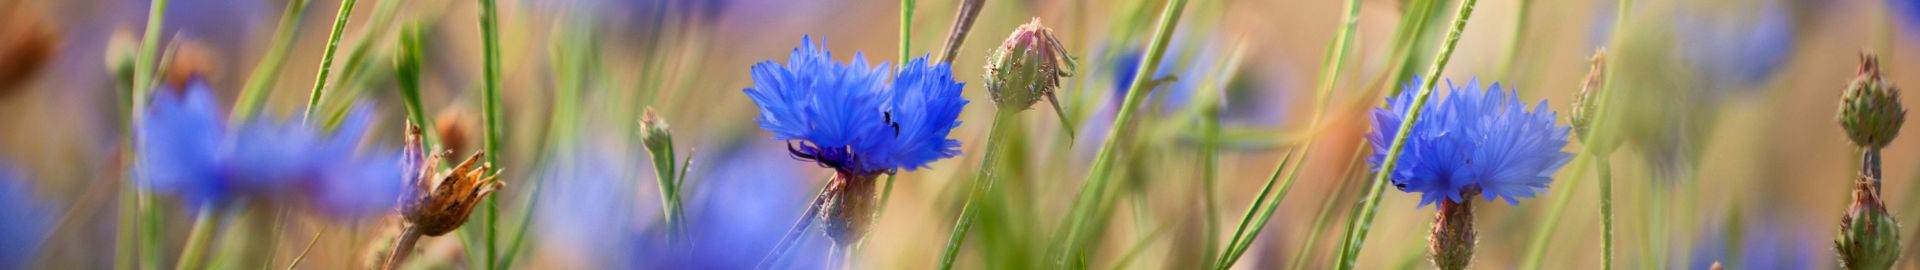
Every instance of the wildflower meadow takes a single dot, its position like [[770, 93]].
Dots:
[[958, 134]]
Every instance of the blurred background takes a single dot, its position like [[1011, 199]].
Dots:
[[1733, 153]]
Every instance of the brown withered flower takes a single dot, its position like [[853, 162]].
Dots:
[[441, 200], [27, 41]]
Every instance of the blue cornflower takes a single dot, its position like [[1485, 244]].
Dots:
[[26, 224], [1909, 13], [1473, 139], [1765, 244], [1736, 48], [187, 150], [742, 206], [851, 118]]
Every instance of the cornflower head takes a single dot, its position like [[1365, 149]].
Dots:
[[27, 222], [1027, 67], [1871, 114], [187, 150], [1473, 138], [1474, 141], [851, 118], [742, 200], [1736, 49]]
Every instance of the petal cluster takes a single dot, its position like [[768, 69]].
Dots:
[[851, 117], [187, 150], [1474, 138]]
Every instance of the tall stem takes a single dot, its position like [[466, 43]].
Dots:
[[982, 184], [1357, 235], [490, 108], [962, 24], [402, 248], [196, 239], [148, 223], [1606, 211], [326, 58]]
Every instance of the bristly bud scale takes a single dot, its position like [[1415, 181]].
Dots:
[[1869, 238], [849, 208], [1450, 247], [1026, 67], [1870, 109]]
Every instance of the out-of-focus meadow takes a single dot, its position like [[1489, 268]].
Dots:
[[1727, 108]]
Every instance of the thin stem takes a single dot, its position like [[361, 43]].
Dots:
[[148, 223], [1357, 234], [794, 233], [295, 264], [982, 183], [1606, 211], [1519, 34], [326, 58], [906, 30], [1210, 183], [265, 73], [1095, 186], [1262, 206], [490, 108], [1537, 246], [196, 239], [402, 248], [962, 23]]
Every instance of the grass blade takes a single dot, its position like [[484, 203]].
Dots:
[[326, 58]]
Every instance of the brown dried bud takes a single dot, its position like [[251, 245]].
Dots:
[[848, 210], [442, 200], [190, 60], [451, 127], [1450, 246]]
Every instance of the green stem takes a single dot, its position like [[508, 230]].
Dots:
[[906, 30], [1326, 212], [1606, 211], [196, 239], [1095, 185], [1537, 245], [1357, 233], [982, 183], [326, 58], [490, 108], [1263, 206], [143, 72], [1209, 183], [264, 74]]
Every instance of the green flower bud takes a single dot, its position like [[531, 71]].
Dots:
[[1869, 238], [1870, 109], [1026, 67]]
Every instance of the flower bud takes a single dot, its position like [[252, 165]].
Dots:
[[442, 200], [1585, 106], [1870, 109], [1451, 244], [848, 210], [1869, 238], [1026, 67], [653, 133]]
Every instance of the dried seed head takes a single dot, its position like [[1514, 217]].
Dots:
[[1450, 247], [442, 200], [1026, 67], [1585, 105], [1869, 238], [119, 57], [1870, 108]]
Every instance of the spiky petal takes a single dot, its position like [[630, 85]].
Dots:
[[1473, 138]]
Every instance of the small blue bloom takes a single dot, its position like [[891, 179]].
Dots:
[[187, 150], [742, 206], [1473, 138], [26, 224], [1736, 48], [851, 118]]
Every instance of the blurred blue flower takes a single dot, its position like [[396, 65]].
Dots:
[[1762, 246], [850, 118], [590, 201], [186, 150], [27, 221], [1737, 48], [744, 204], [1909, 13], [1474, 138]]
